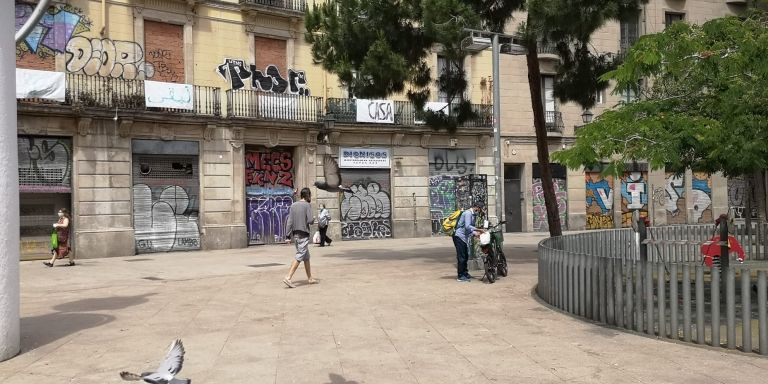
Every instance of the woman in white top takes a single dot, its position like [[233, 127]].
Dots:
[[322, 223]]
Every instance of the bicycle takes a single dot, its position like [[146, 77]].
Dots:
[[492, 248]]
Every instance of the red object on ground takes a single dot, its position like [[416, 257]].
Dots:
[[711, 249]]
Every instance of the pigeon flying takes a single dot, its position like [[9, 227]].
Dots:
[[167, 371], [332, 175]]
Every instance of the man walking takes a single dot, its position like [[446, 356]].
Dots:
[[299, 219], [465, 228]]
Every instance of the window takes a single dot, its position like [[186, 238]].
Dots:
[[630, 30], [671, 17], [443, 66], [548, 93], [628, 95], [599, 97]]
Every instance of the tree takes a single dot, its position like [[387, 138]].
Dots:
[[702, 106], [378, 47], [570, 26]]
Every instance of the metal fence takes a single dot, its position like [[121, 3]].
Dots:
[[554, 121], [273, 106], [600, 275], [291, 5], [110, 93], [405, 113]]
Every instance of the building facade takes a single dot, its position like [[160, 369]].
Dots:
[[182, 125], [191, 124], [586, 199]]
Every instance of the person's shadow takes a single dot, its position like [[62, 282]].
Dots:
[[338, 379]]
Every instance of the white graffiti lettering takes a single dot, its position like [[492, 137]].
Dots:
[[105, 57]]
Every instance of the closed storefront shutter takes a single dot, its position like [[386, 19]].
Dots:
[[366, 211]]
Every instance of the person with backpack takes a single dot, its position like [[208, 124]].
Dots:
[[462, 231], [322, 224]]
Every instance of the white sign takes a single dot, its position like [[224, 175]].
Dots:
[[375, 111], [168, 95], [32, 84], [434, 106], [364, 158]]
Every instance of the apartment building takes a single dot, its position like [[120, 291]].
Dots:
[[190, 124], [168, 125], [586, 199]]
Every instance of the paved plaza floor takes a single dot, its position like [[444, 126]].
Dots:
[[386, 311]]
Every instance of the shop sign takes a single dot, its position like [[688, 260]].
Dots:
[[364, 158]]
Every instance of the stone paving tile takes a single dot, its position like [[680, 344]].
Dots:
[[384, 312]]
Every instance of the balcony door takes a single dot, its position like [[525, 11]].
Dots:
[[548, 99]]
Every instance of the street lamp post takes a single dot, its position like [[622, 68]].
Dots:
[[479, 43], [10, 327]]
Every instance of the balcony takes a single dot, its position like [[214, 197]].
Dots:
[[85, 91], [285, 8], [547, 51], [345, 111], [273, 106], [553, 120]]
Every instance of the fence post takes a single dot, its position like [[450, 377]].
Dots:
[[642, 231], [724, 259]]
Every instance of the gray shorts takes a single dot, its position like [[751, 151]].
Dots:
[[302, 247]]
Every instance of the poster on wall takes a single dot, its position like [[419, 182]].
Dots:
[[364, 158], [168, 95], [375, 111]]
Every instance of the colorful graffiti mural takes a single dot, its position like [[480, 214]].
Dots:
[[269, 188], [674, 199], [634, 196], [366, 210], [442, 200], [51, 35], [540, 209], [599, 199], [701, 185], [738, 193]]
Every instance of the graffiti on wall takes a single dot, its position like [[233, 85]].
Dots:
[[365, 212], [540, 209], [161, 62], [267, 218], [165, 219], [674, 198], [108, 58], [451, 161], [269, 172], [45, 164], [470, 189], [701, 192], [634, 196], [51, 35], [237, 72], [738, 193], [599, 199], [442, 200]]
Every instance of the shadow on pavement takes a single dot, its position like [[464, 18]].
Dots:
[[437, 255], [103, 303], [72, 317], [338, 379]]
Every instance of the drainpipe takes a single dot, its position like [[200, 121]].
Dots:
[[103, 17]]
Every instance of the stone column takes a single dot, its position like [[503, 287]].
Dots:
[[9, 191]]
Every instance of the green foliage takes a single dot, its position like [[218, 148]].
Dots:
[[703, 106], [380, 47]]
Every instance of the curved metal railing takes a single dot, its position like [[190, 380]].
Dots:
[[664, 291]]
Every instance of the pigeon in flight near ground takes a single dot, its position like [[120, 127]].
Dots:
[[332, 175], [167, 371]]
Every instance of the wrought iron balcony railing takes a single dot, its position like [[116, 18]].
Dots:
[[405, 113], [554, 121], [290, 6], [111, 93], [273, 106]]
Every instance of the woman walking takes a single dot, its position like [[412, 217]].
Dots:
[[322, 224], [62, 232]]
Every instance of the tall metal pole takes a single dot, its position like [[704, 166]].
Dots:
[[497, 126], [9, 189]]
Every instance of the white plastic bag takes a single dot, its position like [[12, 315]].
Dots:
[[316, 237], [485, 238]]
